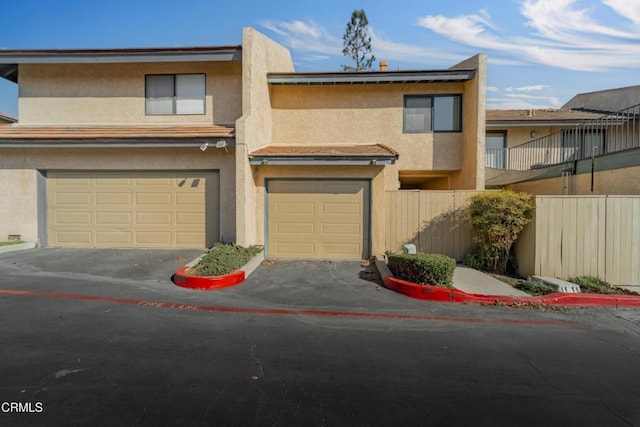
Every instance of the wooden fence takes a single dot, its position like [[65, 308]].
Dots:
[[583, 235], [432, 220]]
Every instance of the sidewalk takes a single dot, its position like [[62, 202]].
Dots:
[[476, 282], [474, 287]]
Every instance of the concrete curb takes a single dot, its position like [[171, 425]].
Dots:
[[17, 247], [452, 295], [205, 283]]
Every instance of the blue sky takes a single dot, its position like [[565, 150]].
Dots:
[[541, 52]]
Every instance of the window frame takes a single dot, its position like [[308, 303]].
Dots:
[[503, 158], [175, 95], [433, 103]]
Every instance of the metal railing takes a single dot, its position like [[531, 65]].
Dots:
[[609, 134]]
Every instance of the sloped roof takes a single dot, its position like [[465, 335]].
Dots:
[[369, 154], [92, 133], [10, 59], [539, 117], [8, 118], [606, 101], [325, 151]]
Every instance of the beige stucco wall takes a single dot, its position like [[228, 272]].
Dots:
[[111, 94], [260, 55], [471, 176], [622, 181], [375, 173], [18, 209], [131, 159], [365, 114]]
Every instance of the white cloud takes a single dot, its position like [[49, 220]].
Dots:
[[467, 29], [306, 36], [499, 103], [563, 35], [492, 89], [532, 88], [319, 45], [552, 100], [629, 9], [388, 50]]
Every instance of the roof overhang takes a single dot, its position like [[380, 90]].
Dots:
[[10, 59], [371, 77], [202, 143], [8, 118], [352, 155], [116, 136], [320, 160]]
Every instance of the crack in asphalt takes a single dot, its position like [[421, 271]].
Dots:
[[614, 413], [539, 371]]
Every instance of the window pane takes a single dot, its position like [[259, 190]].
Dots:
[[190, 90], [159, 94], [417, 114], [446, 115], [593, 143], [495, 150]]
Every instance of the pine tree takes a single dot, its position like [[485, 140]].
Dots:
[[357, 42]]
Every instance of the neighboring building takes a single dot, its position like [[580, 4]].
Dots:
[[6, 119], [510, 128], [585, 150], [606, 101], [183, 147]]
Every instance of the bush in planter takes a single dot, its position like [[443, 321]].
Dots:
[[498, 218], [223, 258], [423, 269], [473, 258]]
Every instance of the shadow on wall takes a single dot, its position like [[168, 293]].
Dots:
[[448, 233]]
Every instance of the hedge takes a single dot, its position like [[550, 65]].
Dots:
[[223, 258], [423, 269]]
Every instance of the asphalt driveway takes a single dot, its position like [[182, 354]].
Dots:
[[145, 274], [103, 337]]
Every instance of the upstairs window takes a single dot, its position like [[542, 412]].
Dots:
[[169, 94], [432, 113]]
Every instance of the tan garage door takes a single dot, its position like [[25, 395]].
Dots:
[[324, 219], [132, 209]]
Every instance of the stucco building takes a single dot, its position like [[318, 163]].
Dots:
[[183, 147]]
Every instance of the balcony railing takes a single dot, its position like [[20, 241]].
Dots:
[[609, 134]]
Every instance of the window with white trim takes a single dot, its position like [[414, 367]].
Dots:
[[432, 113], [171, 94]]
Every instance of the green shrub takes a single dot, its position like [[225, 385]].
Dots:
[[498, 218], [423, 269], [534, 287], [223, 258], [595, 285], [473, 258]]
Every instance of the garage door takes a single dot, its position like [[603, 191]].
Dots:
[[132, 209], [326, 219]]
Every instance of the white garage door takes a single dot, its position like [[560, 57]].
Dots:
[[319, 219], [132, 209]]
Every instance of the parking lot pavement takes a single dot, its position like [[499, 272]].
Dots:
[[143, 276], [89, 269], [299, 343]]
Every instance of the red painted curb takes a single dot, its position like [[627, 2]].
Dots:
[[436, 293], [181, 278]]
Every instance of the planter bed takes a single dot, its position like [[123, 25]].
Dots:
[[183, 279], [440, 294]]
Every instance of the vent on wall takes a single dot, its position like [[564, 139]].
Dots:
[[11, 237]]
